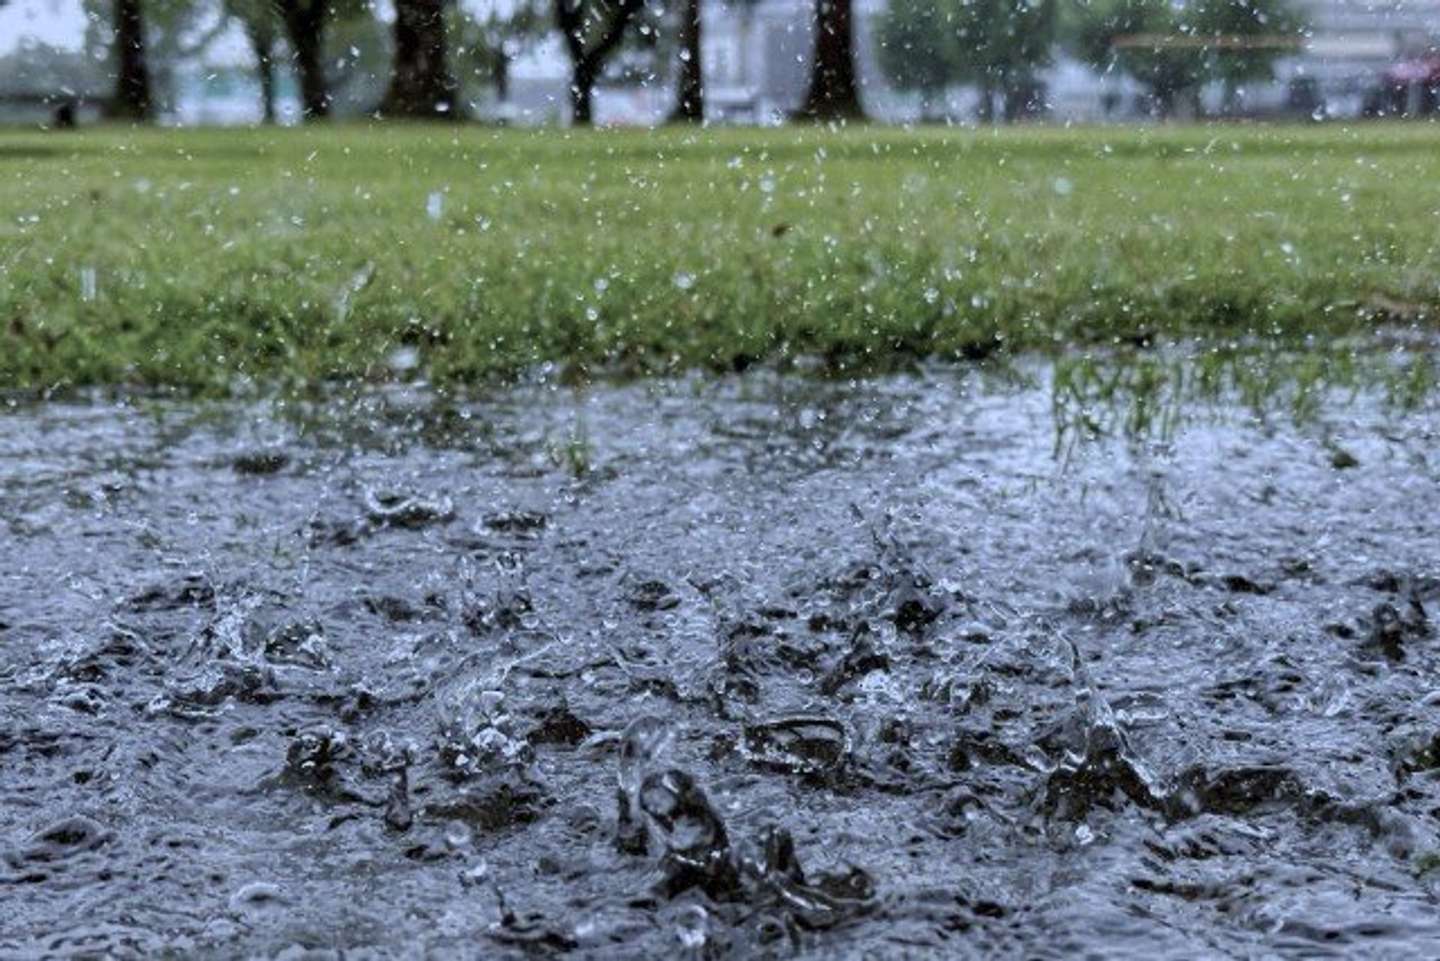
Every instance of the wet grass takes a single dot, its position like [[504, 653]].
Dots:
[[1152, 394], [206, 260]]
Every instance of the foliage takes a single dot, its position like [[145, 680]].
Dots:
[[1170, 71], [259, 19], [486, 45], [1166, 71], [1245, 19], [175, 31], [927, 45], [917, 48]]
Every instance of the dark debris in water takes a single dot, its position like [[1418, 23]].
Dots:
[[798, 669]]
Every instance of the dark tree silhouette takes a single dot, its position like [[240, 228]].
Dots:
[[421, 84], [592, 30], [690, 102], [261, 25], [264, 47], [132, 75], [833, 93], [305, 22]]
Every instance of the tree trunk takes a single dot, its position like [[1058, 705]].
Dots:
[[305, 26], [1230, 102], [985, 112], [420, 82], [132, 87], [573, 17], [582, 95], [501, 77], [266, 67], [833, 93], [1164, 102], [1019, 92], [690, 105], [262, 44]]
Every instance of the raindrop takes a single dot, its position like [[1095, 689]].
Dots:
[[403, 359]]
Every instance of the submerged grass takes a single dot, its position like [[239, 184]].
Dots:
[[1152, 394], [199, 259]]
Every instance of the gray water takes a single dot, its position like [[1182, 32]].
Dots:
[[762, 666]]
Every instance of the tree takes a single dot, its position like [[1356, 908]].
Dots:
[[917, 49], [690, 97], [1135, 36], [1243, 39], [145, 42], [487, 47], [1015, 39], [995, 44], [592, 30], [305, 22], [833, 93], [132, 73], [421, 84], [1175, 50], [259, 21]]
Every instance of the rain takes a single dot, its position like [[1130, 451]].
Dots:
[[719, 479]]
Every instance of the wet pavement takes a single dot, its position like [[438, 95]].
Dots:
[[761, 666]]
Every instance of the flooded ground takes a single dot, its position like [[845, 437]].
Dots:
[[755, 667]]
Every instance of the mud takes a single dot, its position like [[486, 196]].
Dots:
[[761, 666]]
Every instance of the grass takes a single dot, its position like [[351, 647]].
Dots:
[[205, 260]]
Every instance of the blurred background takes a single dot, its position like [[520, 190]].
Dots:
[[177, 62]]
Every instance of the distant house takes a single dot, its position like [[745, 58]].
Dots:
[[1355, 42], [40, 84]]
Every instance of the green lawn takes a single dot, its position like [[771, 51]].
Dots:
[[184, 258]]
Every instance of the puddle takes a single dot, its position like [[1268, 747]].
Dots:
[[742, 667]]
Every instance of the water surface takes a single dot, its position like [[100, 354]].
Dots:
[[711, 668]]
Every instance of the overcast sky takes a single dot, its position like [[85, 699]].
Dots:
[[56, 22]]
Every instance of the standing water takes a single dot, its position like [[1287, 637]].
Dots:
[[761, 666]]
